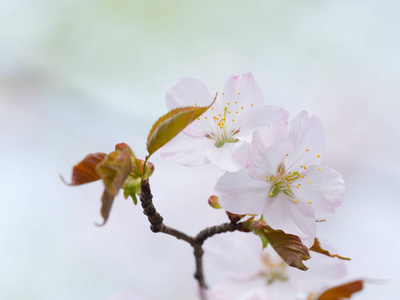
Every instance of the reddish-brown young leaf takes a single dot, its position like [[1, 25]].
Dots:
[[288, 246], [317, 248], [113, 170], [344, 291], [172, 123], [85, 171]]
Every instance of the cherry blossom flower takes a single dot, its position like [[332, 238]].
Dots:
[[250, 273], [217, 135], [284, 180]]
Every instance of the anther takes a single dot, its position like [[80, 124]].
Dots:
[[270, 194], [307, 150], [295, 200], [319, 169], [309, 202], [318, 155], [308, 181]]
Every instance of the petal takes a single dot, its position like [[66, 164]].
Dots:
[[190, 92], [324, 188], [239, 194], [243, 89], [228, 157], [308, 139], [242, 261], [261, 117], [291, 217], [187, 150], [267, 151], [323, 271]]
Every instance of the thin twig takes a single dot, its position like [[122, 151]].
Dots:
[[157, 225]]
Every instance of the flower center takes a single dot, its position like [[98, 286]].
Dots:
[[225, 125], [288, 179], [273, 271]]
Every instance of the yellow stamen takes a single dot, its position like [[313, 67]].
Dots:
[[318, 155], [309, 202], [308, 181], [270, 194], [295, 200], [319, 169], [307, 150]]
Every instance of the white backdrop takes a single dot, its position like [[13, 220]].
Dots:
[[80, 76]]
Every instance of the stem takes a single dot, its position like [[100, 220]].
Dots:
[[210, 231], [157, 225]]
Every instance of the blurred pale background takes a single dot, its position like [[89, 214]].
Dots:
[[80, 76]]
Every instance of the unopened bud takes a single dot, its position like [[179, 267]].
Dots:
[[213, 201]]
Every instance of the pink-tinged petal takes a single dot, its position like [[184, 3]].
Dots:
[[187, 150], [239, 194], [191, 92], [228, 157], [292, 217], [243, 89], [267, 151], [188, 92], [324, 187], [322, 271], [308, 139], [261, 117], [243, 260]]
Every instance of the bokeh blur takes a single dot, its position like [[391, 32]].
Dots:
[[77, 77]]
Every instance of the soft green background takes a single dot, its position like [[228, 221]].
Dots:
[[79, 76]]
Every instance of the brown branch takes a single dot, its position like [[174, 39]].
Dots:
[[157, 225], [210, 231]]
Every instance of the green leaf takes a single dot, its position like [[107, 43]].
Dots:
[[131, 188], [85, 171], [344, 291], [172, 123], [114, 170], [288, 246], [317, 248]]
